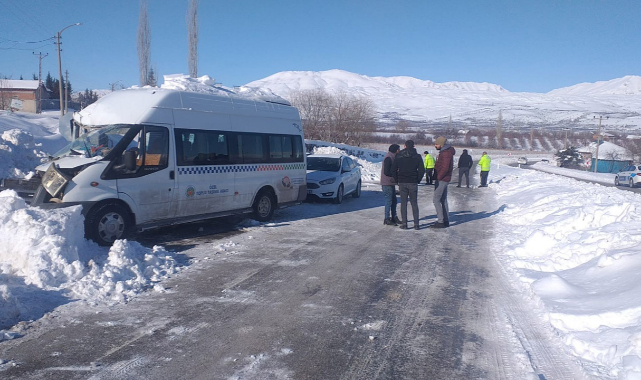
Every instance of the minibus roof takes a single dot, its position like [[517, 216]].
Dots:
[[138, 106]]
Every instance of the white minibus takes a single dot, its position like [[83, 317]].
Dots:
[[157, 157]]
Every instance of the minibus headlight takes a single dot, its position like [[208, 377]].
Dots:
[[53, 181]]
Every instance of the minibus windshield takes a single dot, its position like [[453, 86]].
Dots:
[[97, 143]]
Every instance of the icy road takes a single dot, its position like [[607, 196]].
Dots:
[[324, 292]]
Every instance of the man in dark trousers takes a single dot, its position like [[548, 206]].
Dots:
[[408, 170], [389, 186], [444, 168], [465, 163]]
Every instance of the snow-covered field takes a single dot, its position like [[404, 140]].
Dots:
[[571, 248]]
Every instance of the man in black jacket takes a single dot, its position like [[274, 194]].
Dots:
[[465, 163], [408, 170]]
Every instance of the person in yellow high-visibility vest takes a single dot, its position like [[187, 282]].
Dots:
[[484, 163], [429, 168]]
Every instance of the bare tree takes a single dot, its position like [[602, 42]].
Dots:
[[313, 106], [358, 120], [144, 43], [192, 34], [5, 96], [402, 126], [339, 118]]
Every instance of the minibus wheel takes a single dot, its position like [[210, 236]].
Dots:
[[264, 206], [107, 223]]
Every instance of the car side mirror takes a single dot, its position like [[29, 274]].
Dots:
[[130, 160]]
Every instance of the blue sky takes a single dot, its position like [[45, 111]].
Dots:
[[522, 45]]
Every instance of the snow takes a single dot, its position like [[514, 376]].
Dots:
[[474, 104], [607, 151], [19, 154], [574, 248], [206, 84], [45, 251]]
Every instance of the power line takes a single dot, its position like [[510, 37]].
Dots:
[[27, 48], [26, 42], [25, 16]]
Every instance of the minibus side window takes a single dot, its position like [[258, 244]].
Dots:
[[156, 147], [285, 148], [151, 145], [251, 148], [198, 147], [298, 149]]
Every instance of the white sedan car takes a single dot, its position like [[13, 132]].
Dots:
[[332, 176], [630, 175]]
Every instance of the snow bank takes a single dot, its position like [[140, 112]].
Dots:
[[370, 171], [606, 178], [19, 154], [576, 248], [206, 84], [45, 251]]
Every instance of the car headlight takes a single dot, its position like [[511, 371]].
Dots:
[[327, 181]]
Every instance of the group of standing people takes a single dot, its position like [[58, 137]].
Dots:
[[406, 169]]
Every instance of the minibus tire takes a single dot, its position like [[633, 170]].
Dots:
[[264, 206], [107, 223]]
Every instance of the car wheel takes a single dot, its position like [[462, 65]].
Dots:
[[616, 181], [339, 194], [357, 192], [264, 206], [107, 223], [631, 183]]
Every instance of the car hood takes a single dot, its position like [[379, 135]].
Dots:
[[69, 162], [319, 175]]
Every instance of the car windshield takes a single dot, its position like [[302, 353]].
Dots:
[[327, 164], [97, 143]]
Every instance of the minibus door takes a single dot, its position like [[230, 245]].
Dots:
[[151, 186]]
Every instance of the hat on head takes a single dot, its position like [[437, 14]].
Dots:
[[426, 152], [440, 141]]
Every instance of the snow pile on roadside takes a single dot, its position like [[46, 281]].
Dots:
[[45, 251], [19, 154], [370, 171], [206, 84], [43, 127], [607, 178], [576, 247]]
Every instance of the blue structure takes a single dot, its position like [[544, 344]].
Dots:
[[612, 158], [609, 166]]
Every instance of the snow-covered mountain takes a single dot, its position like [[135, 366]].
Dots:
[[628, 85], [475, 104]]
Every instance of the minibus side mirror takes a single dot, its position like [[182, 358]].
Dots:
[[130, 160]]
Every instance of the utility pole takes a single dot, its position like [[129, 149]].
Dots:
[[39, 92], [60, 65], [598, 142], [66, 88]]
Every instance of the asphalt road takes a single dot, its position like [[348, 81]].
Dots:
[[325, 292]]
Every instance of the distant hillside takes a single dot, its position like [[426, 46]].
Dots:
[[475, 104], [628, 85]]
